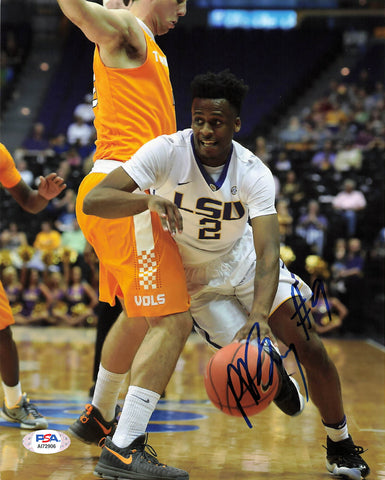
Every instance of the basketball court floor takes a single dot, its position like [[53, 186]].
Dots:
[[186, 430]]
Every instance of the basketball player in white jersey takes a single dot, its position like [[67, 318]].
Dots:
[[217, 199]]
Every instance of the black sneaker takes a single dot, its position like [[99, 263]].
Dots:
[[91, 427], [134, 462], [289, 398], [344, 459]]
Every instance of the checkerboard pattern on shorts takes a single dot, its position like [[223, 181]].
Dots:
[[147, 269]]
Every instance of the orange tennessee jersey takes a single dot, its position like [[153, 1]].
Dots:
[[132, 106], [9, 175]]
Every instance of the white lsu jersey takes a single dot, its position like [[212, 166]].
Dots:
[[215, 212]]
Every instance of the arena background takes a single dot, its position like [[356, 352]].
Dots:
[[289, 60]]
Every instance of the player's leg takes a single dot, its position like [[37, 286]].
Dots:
[[16, 407], [322, 377], [99, 418], [151, 371], [292, 323], [107, 316]]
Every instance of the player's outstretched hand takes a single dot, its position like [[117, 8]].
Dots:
[[50, 186], [168, 212]]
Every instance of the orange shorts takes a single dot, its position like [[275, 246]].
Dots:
[[138, 260], [6, 316]]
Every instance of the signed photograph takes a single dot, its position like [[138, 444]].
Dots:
[[192, 240]]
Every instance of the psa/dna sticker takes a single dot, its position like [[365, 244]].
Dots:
[[46, 441]]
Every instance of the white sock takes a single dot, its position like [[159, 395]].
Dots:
[[337, 432], [107, 388], [12, 394], [138, 407]]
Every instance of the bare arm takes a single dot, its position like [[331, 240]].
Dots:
[[113, 197], [115, 31], [266, 243], [33, 201]]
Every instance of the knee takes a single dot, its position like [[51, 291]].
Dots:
[[313, 355], [179, 324], [184, 323]]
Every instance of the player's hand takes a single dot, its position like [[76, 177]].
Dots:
[[50, 186], [168, 212], [255, 330]]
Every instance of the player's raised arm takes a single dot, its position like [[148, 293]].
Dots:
[[109, 28]]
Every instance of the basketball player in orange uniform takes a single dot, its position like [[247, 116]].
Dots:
[[16, 407], [139, 261]]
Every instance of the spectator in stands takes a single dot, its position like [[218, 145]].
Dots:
[[66, 211], [36, 145], [324, 158], [292, 189], [74, 238], [360, 116], [347, 203], [283, 162], [48, 239], [79, 133], [335, 117], [346, 133], [312, 227], [376, 99], [262, 150], [364, 137], [294, 133], [37, 140], [320, 133], [376, 121], [72, 157], [377, 144], [13, 288], [35, 298], [58, 307], [12, 239], [84, 110], [285, 219], [352, 275], [348, 158], [337, 264], [81, 298], [59, 144], [25, 173]]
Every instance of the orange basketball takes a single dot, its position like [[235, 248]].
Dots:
[[241, 379]]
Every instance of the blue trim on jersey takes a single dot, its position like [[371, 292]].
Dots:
[[203, 171]]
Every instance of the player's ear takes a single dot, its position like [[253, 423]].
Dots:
[[237, 125]]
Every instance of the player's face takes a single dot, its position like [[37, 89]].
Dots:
[[214, 123], [167, 13]]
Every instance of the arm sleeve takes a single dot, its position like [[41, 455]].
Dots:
[[151, 164], [260, 192]]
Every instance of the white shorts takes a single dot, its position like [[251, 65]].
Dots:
[[219, 306]]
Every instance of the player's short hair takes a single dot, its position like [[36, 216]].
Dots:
[[220, 85]]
